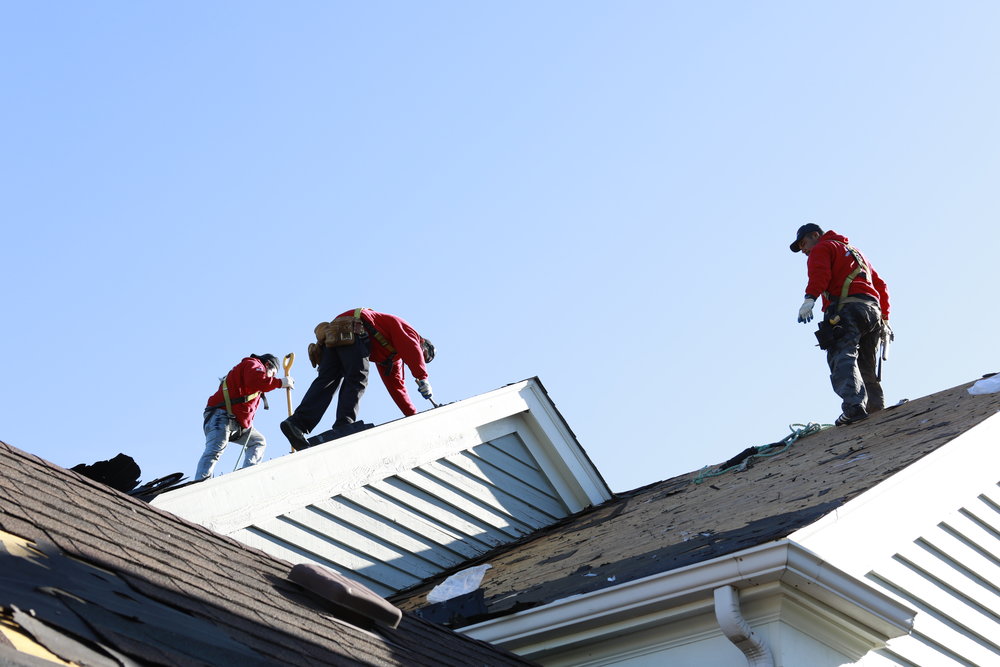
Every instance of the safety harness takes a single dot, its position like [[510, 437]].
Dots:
[[229, 402], [860, 270], [377, 335]]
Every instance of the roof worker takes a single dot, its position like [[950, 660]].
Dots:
[[342, 352], [855, 317], [230, 411]]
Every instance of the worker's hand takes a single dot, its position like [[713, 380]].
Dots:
[[288, 382], [806, 310], [424, 387], [887, 330]]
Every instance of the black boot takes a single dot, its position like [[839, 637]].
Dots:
[[295, 435]]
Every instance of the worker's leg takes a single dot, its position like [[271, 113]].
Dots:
[[354, 359], [842, 357], [217, 432], [868, 366], [317, 399], [255, 444]]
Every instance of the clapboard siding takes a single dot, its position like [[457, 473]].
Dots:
[[401, 530], [951, 575]]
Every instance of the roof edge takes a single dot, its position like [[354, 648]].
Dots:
[[549, 626]]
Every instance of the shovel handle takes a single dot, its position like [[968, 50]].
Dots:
[[287, 364]]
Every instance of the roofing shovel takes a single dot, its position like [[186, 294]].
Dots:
[[287, 364]]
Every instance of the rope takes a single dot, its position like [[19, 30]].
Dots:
[[743, 460]]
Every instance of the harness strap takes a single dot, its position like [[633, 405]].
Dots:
[[374, 333], [230, 402], [860, 270]]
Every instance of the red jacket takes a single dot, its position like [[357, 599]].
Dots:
[[405, 339], [830, 264], [247, 377]]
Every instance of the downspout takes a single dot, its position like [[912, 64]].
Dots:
[[737, 630]]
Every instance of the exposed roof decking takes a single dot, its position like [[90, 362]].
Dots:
[[675, 523]]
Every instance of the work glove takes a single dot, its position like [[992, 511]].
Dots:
[[806, 310], [424, 387], [288, 382]]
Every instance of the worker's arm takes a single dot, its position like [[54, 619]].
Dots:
[[393, 381], [883, 293]]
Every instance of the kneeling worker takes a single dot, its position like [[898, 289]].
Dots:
[[342, 352], [230, 411]]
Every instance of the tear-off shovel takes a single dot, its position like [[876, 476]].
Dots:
[[287, 364]]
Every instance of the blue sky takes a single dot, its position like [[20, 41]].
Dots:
[[597, 193]]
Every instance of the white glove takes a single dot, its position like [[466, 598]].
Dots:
[[288, 382], [806, 310], [424, 387]]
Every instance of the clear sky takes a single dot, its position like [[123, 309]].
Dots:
[[601, 194]]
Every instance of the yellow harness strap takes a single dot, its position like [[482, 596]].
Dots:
[[376, 333], [861, 268], [229, 401]]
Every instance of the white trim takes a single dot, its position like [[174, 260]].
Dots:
[[687, 590], [232, 502], [908, 504]]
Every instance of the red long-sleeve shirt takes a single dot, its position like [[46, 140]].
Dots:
[[830, 264], [247, 377], [405, 339]]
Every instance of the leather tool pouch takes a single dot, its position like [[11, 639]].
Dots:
[[315, 352], [341, 331], [827, 334]]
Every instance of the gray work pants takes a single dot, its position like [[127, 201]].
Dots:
[[853, 358]]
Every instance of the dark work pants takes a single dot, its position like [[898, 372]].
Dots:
[[348, 363], [853, 358]]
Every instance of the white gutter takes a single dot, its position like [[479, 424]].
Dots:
[[737, 630], [562, 622]]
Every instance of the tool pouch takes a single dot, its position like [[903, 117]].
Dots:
[[315, 353], [827, 334]]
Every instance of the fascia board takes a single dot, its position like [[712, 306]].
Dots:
[[231, 502], [569, 461], [672, 593], [875, 524]]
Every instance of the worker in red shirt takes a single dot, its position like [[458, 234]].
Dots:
[[230, 411], [855, 317], [342, 353]]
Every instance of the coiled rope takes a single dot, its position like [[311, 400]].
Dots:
[[743, 460]]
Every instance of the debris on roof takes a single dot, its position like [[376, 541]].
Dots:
[[990, 384], [675, 523]]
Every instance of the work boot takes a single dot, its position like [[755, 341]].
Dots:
[[844, 420], [295, 435]]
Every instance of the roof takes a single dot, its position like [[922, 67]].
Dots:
[[394, 505], [102, 578], [677, 522]]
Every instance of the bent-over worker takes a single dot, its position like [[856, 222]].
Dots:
[[342, 352]]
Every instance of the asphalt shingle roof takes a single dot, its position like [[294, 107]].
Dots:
[[125, 581], [678, 522]]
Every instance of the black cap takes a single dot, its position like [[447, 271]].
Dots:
[[268, 360], [428, 350], [807, 228]]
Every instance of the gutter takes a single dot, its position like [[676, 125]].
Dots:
[[587, 616]]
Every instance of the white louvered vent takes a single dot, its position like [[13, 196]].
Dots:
[[399, 531], [951, 576]]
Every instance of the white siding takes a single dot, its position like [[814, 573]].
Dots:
[[396, 532]]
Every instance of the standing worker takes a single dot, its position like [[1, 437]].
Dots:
[[230, 411], [856, 313], [342, 350]]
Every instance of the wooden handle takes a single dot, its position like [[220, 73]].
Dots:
[[287, 363]]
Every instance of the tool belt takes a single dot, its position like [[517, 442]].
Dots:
[[343, 331]]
